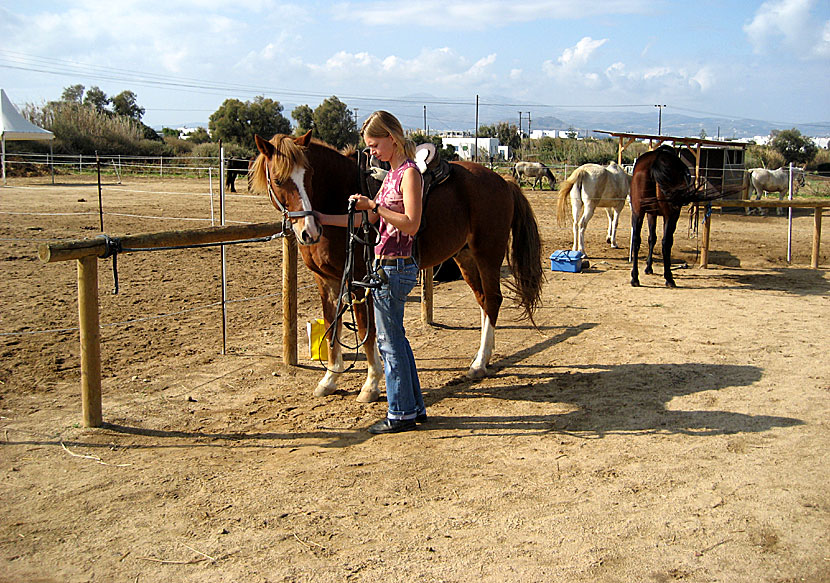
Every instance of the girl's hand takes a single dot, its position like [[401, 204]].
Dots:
[[362, 203]]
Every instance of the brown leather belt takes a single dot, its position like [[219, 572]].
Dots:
[[392, 262]]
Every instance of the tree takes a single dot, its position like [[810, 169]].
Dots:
[[96, 99], [73, 94], [125, 103], [444, 153], [199, 136], [507, 134], [334, 123], [238, 122], [794, 147], [304, 116], [170, 132]]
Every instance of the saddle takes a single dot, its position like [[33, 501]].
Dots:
[[433, 169]]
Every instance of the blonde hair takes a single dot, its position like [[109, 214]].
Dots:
[[382, 124]]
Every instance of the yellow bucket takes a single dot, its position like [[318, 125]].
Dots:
[[318, 346]]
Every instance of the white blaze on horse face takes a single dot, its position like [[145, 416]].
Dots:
[[307, 230]]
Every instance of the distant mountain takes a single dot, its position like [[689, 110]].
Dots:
[[446, 115], [459, 116]]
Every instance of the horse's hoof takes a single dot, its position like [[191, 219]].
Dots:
[[368, 396], [670, 284], [635, 283], [649, 271], [324, 390], [476, 373], [614, 246]]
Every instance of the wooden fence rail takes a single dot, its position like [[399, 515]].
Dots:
[[817, 205], [87, 252]]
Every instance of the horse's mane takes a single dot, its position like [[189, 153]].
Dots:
[[287, 156]]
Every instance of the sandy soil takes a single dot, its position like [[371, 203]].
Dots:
[[645, 434]]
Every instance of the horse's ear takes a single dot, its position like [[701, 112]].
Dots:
[[304, 140], [264, 146]]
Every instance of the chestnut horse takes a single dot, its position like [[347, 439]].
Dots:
[[660, 184], [470, 217]]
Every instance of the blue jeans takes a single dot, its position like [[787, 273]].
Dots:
[[403, 389]]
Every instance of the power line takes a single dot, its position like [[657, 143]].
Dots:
[[34, 63]]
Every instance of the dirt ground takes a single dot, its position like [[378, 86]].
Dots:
[[640, 434]]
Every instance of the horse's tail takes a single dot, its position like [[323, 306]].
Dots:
[[525, 253], [563, 207]]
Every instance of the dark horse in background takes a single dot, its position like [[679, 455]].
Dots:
[[661, 184], [470, 217], [236, 167]]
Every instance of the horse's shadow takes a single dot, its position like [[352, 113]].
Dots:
[[628, 398], [606, 398]]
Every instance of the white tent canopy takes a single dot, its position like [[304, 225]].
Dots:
[[14, 126]]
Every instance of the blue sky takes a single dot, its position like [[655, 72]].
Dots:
[[734, 58]]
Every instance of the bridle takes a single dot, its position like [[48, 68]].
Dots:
[[287, 216]]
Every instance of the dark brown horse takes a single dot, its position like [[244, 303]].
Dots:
[[470, 217], [661, 184], [236, 167]]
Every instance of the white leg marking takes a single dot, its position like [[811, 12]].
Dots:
[[328, 384], [478, 369], [370, 392]]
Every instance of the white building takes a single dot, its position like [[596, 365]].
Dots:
[[465, 146], [539, 134], [184, 131]]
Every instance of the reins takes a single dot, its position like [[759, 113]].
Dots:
[[350, 287]]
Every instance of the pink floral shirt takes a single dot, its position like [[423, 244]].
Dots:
[[392, 241]]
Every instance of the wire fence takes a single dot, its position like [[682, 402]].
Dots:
[[203, 171], [16, 208]]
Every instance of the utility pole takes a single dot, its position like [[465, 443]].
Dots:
[[660, 119], [475, 150], [520, 132], [425, 122]]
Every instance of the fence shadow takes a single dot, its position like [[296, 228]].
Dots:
[[792, 280]]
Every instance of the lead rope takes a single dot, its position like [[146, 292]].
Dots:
[[351, 288]]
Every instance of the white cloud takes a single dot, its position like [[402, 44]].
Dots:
[[704, 78], [790, 24], [439, 69], [581, 53], [569, 67]]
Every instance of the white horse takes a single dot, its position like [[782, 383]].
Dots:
[[534, 170], [591, 186], [762, 181]]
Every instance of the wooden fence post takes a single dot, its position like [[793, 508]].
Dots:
[[704, 251], [289, 299], [816, 237], [427, 294], [90, 341]]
